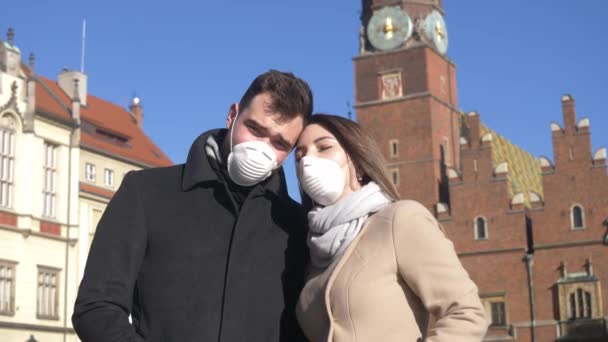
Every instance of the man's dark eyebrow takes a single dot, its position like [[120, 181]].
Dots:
[[284, 141], [256, 125], [264, 130]]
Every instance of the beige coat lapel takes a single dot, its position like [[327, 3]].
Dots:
[[332, 278]]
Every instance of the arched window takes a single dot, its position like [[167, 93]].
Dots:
[[580, 304], [394, 148], [577, 218], [395, 176], [7, 159], [481, 228]]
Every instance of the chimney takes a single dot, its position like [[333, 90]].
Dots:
[[66, 83], [137, 111], [76, 101], [75, 137]]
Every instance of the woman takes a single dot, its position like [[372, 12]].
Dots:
[[381, 269]]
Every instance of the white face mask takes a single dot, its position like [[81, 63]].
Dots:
[[322, 179], [250, 162]]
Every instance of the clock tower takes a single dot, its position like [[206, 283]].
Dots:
[[405, 93]]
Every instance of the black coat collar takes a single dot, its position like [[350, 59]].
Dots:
[[198, 169]]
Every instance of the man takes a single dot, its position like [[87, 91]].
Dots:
[[210, 250]]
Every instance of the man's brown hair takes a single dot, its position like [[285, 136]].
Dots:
[[291, 96]]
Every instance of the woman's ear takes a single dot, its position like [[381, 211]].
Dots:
[[355, 182]]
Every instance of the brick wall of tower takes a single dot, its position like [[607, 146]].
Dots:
[[424, 120]]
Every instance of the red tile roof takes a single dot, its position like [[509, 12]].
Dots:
[[107, 118], [95, 190]]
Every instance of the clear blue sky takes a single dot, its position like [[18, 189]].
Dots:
[[189, 60]]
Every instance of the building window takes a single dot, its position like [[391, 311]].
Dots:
[[395, 176], [577, 217], [498, 314], [445, 152], [496, 307], [394, 148], [572, 306], [49, 193], [587, 304], [481, 228], [48, 299], [89, 172], [7, 288], [580, 304], [580, 296], [7, 161], [109, 177], [391, 85]]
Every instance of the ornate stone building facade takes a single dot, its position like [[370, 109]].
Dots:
[[63, 153]]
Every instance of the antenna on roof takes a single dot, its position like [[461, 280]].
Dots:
[[84, 35]]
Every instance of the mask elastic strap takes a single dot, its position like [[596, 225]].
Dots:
[[232, 127]]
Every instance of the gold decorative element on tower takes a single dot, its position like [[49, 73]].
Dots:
[[439, 30], [388, 28]]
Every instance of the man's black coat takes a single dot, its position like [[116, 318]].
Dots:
[[177, 251]]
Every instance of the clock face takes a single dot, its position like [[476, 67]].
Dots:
[[389, 27], [436, 31]]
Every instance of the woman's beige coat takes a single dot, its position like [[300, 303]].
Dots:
[[399, 280]]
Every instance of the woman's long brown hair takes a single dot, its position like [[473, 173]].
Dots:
[[361, 149]]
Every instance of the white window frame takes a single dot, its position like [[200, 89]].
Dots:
[[47, 299], [7, 287], [572, 226], [395, 176], [7, 166], [476, 230], [49, 190], [393, 146], [90, 172], [488, 300], [108, 176]]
